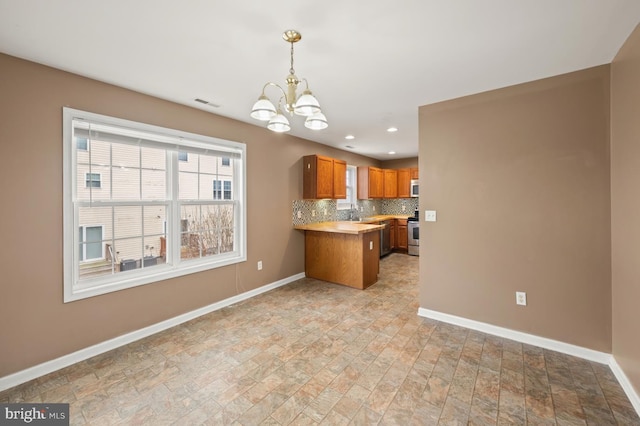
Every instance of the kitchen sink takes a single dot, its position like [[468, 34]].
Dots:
[[364, 219], [368, 219]]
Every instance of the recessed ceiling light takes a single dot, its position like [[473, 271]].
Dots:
[[392, 152], [392, 129], [349, 137]]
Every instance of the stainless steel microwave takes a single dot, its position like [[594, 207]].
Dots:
[[414, 188]]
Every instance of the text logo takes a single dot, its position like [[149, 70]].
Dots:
[[34, 414]]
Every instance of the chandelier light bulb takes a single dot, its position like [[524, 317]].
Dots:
[[307, 104], [316, 122], [263, 109], [279, 123]]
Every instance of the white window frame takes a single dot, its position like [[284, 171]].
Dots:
[[349, 202], [171, 140]]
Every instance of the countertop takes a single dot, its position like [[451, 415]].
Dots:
[[340, 227], [350, 227], [380, 217]]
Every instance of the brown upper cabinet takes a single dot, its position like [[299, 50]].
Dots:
[[390, 183], [324, 177], [404, 183], [339, 179], [370, 183], [385, 183]]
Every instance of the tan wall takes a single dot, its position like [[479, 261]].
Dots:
[[401, 163], [36, 325], [520, 181], [625, 206]]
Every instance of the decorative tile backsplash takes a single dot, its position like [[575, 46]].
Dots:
[[313, 211], [395, 205]]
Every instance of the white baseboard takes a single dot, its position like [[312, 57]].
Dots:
[[626, 384], [86, 353], [543, 342]]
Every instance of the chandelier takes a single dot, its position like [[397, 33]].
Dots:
[[305, 105]]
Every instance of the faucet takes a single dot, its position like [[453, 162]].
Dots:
[[352, 213]]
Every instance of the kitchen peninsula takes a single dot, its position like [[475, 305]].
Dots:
[[346, 253]]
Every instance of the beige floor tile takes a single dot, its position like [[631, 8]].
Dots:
[[314, 353]]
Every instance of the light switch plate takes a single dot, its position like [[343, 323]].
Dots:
[[430, 215]]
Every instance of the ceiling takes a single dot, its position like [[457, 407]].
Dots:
[[370, 64]]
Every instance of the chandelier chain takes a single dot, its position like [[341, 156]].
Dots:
[[291, 70]]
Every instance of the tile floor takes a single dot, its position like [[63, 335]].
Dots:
[[318, 353]]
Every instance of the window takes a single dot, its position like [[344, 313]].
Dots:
[[222, 190], [82, 144], [226, 161], [93, 180], [217, 190], [227, 190], [90, 243], [155, 216], [352, 194]]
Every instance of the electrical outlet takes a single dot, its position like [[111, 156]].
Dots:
[[299, 214], [521, 298], [313, 213], [325, 212], [404, 207], [374, 208], [259, 265]]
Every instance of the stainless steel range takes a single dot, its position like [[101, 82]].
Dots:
[[413, 237]]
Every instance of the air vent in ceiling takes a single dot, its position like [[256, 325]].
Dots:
[[202, 101], [350, 147]]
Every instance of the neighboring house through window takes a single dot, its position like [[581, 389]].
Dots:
[[226, 161], [82, 144], [154, 216], [93, 180], [227, 190], [222, 190], [90, 243]]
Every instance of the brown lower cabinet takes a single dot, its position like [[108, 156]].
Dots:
[[398, 235], [402, 241], [392, 234], [349, 259]]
